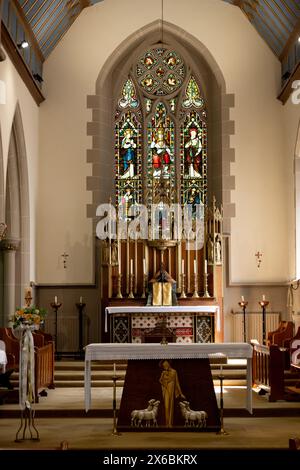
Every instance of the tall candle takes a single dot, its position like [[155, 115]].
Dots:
[[55, 299], [114, 369], [131, 266], [144, 266], [80, 300], [263, 297], [205, 267], [195, 266], [182, 266], [243, 299]]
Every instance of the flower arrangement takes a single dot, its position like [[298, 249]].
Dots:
[[32, 316]]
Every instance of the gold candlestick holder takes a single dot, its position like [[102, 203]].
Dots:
[[131, 284], [222, 431], [145, 282], [206, 293], [183, 294], [119, 287], [115, 432], [28, 300], [195, 294]]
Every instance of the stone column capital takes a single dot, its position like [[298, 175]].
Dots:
[[9, 244]]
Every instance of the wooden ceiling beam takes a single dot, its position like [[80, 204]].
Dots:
[[291, 41], [287, 89], [28, 30], [20, 65]]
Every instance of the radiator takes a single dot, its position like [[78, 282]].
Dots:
[[254, 326], [67, 332]]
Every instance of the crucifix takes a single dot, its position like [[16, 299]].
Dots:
[[258, 256], [65, 256]]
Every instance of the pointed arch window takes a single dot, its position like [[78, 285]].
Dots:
[[161, 132]]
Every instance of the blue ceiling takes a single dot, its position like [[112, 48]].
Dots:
[[275, 20], [51, 19]]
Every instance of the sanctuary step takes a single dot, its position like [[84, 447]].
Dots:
[[71, 374]]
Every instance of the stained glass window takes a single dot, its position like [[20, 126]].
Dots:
[[128, 161], [161, 154], [193, 159], [161, 132]]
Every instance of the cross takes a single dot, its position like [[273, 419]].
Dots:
[[258, 256], [65, 256]]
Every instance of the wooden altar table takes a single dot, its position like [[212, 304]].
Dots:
[[127, 351]]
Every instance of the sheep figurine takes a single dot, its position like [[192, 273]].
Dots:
[[148, 414]]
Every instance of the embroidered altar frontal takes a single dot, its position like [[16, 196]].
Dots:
[[168, 395], [188, 328]]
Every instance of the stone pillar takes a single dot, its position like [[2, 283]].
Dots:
[[9, 248]]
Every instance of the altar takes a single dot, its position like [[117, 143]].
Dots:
[[130, 351], [191, 324]]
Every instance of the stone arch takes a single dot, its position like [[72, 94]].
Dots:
[[221, 182], [16, 245]]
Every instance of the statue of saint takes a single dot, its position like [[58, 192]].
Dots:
[[170, 388], [210, 250], [218, 249]]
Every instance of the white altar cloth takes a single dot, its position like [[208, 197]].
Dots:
[[173, 309], [118, 351]]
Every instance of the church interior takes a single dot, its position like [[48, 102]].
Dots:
[[149, 224]]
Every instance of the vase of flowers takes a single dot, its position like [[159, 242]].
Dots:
[[31, 316], [24, 321]]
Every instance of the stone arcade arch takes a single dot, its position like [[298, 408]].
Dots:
[[16, 245]]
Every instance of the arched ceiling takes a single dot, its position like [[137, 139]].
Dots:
[[51, 19], [275, 20]]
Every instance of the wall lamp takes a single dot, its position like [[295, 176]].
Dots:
[[23, 45]]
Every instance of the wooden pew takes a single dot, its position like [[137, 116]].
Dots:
[[43, 353], [268, 369]]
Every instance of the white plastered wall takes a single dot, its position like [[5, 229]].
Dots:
[[252, 74]]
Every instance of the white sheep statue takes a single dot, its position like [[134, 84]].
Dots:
[[191, 417], [148, 415]]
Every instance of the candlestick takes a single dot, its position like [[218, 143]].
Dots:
[[206, 293], [55, 299], [183, 294], [131, 284], [119, 257], [119, 284], [244, 304], [195, 266], [205, 266], [243, 298], [145, 282], [131, 266], [195, 294], [80, 308], [114, 369], [182, 266], [144, 266], [264, 303]]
